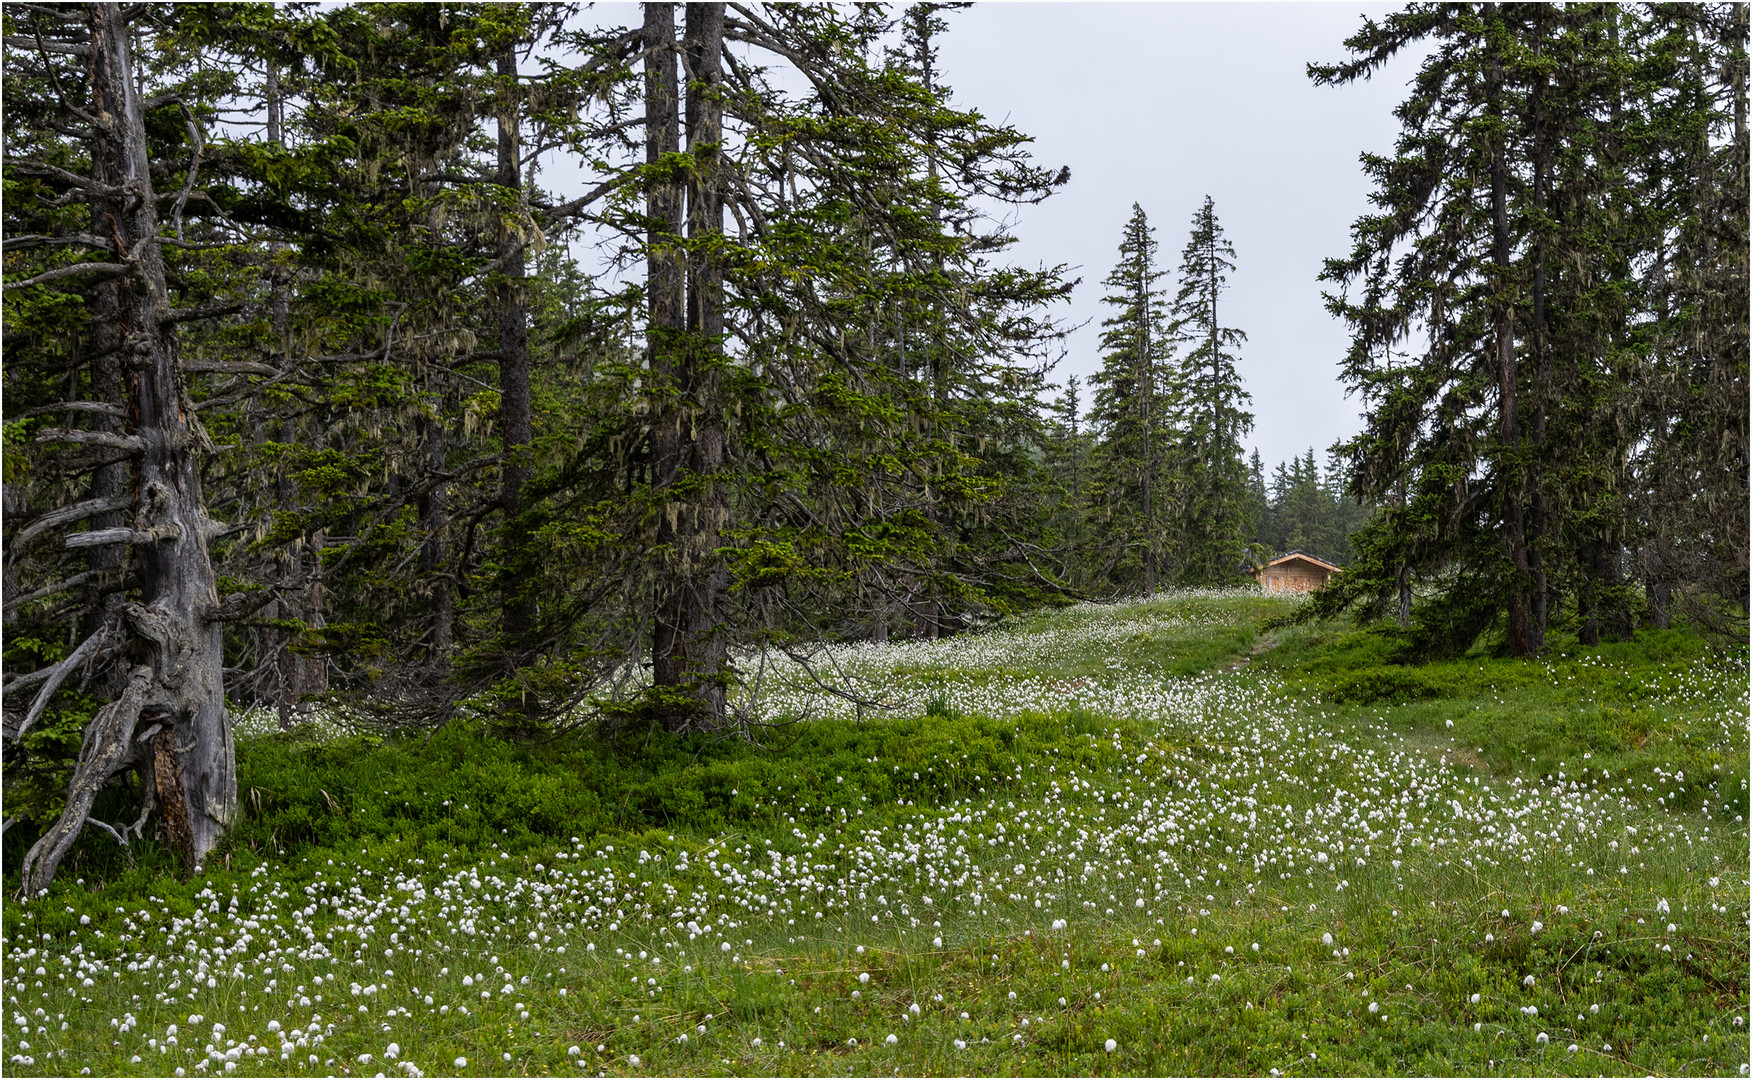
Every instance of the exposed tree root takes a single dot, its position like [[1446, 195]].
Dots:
[[108, 745]]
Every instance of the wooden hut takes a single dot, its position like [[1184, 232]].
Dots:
[[1297, 572]]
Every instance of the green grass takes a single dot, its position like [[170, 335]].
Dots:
[[1642, 718], [1072, 767]]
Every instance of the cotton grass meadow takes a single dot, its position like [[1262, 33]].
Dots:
[[1099, 841]]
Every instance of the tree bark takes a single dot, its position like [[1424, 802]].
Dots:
[[109, 387], [935, 366], [668, 359], [181, 677], [690, 651], [1146, 408], [435, 519], [1538, 511], [273, 644], [517, 611], [1522, 636]]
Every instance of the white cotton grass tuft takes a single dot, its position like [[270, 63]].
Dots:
[[1145, 794]]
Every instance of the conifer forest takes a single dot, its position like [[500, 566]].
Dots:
[[488, 487]]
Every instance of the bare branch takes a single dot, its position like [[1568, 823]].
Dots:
[[195, 245], [131, 443], [241, 606], [228, 367], [108, 743], [99, 407], [66, 585], [102, 269], [57, 675], [194, 131], [170, 530], [108, 828], [25, 243], [18, 41], [54, 518], [210, 311], [46, 12], [98, 123], [453, 178], [43, 170], [572, 207]]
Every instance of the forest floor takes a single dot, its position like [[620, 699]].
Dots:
[[1081, 843]]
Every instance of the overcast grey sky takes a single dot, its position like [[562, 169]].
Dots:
[[1164, 103]]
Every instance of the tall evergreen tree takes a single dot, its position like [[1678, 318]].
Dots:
[[1067, 461], [1212, 415], [1527, 233], [1129, 416], [450, 464]]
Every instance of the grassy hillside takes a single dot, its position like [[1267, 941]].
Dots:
[[1150, 838]]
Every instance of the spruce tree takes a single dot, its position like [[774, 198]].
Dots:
[[1128, 415], [1212, 416], [394, 448], [1530, 225], [1067, 454]]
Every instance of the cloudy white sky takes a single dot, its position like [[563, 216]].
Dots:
[[1164, 103]]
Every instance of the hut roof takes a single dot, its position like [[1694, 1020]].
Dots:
[[1305, 557]]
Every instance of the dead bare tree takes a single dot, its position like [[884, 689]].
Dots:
[[162, 646]]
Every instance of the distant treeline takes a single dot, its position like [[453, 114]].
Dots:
[[1301, 507]]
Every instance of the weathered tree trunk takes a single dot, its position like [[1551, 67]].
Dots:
[[1538, 511], [690, 651], [513, 317], [705, 324], [179, 686], [108, 385], [936, 359], [1147, 419], [274, 644], [665, 283], [435, 518], [1588, 595], [1522, 631]]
